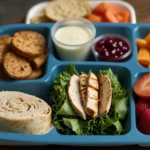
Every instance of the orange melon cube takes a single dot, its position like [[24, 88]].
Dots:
[[144, 56], [147, 38], [141, 43]]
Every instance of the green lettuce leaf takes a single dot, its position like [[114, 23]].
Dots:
[[94, 126], [66, 110], [66, 120], [119, 127], [59, 96], [75, 124], [109, 122], [71, 70], [122, 108], [120, 95]]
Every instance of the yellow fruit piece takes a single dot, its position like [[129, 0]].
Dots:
[[141, 43], [144, 56]]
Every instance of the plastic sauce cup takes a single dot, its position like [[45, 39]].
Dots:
[[99, 57], [73, 38]]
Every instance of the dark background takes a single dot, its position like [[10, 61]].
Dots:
[[12, 9]]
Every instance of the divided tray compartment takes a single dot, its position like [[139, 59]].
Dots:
[[128, 72]]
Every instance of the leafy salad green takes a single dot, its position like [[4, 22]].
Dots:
[[66, 120]]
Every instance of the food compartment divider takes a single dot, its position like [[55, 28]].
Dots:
[[44, 30], [141, 31], [126, 72], [122, 73]]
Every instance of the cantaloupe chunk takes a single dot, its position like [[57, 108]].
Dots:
[[147, 38], [141, 43], [144, 56], [94, 18], [149, 66]]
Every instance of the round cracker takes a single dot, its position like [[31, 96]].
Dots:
[[36, 74], [4, 46], [16, 67], [3, 75], [38, 62], [28, 44], [40, 18], [61, 9], [5, 39]]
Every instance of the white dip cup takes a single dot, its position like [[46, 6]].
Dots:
[[73, 38]]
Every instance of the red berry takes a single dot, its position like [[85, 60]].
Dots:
[[142, 87], [141, 106], [144, 123]]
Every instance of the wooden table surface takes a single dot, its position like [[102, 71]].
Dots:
[[142, 8]]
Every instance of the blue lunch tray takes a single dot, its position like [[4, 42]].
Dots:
[[128, 72]]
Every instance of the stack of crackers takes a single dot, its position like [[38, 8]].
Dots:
[[22, 56], [58, 10]]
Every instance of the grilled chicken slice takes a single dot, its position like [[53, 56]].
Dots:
[[105, 95], [75, 96], [83, 88], [93, 81], [92, 95]]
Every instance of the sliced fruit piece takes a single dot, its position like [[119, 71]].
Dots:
[[94, 18], [75, 97], [83, 79], [147, 38], [105, 95], [141, 43], [120, 17], [101, 8], [142, 87], [92, 95], [115, 9], [110, 17], [144, 56], [126, 15], [141, 106], [148, 44]]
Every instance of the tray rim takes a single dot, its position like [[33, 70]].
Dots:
[[37, 140]]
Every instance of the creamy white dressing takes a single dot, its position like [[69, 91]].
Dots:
[[73, 35]]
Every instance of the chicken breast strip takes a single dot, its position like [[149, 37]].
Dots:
[[105, 95], [92, 95], [75, 96], [83, 88]]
